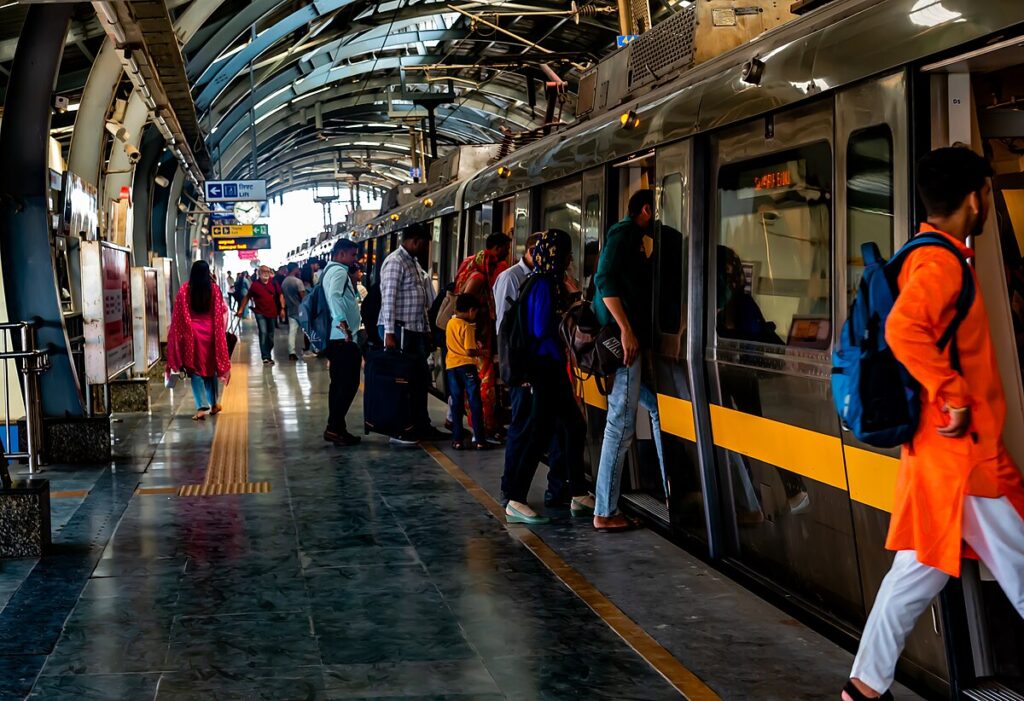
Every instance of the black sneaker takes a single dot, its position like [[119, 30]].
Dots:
[[343, 438], [292, 356]]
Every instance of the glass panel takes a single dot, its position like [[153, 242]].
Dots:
[[773, 282], [561, 208], [481, 220], [591, 242], [672, 256], [522, 223], [454, 254], [869, 198], [435, 254]]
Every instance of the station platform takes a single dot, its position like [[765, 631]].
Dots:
[[242, 557]]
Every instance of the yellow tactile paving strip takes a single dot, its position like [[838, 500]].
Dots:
[[70, 494], [685, 681], [228, 469]]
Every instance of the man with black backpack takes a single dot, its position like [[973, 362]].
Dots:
[[956, 483], [342, 350], [623, 301]]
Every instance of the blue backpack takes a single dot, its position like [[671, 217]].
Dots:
[[876, 397], [315, 314]]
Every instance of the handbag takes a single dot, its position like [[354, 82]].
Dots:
[[232, 341], [594, 349], [446, 311], [170, 378]]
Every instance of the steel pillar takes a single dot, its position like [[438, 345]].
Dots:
[[29, 280]]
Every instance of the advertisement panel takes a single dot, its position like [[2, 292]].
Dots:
[[117, 309], [152, 318], [81, 208]]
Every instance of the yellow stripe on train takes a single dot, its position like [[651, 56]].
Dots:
[[870, 478]]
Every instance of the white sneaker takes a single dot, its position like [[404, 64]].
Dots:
[[401, 442]]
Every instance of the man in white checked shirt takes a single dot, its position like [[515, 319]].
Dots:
[[403, 320]]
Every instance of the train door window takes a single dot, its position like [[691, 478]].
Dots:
[[634, 173], [522, 223], [869, 198], [435, 254], [593, 196], [561, 208], [773, 256], [481, 220], [672, 244], [451, 233]]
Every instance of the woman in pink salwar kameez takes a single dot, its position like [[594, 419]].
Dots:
[[196, 341]]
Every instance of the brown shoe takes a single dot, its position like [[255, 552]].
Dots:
[[614, 524]]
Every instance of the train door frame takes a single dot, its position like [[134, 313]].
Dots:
[[673, 371], [953, 116], [777, 449], [865, 109]]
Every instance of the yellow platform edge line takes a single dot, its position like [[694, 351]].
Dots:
[[660, 659]]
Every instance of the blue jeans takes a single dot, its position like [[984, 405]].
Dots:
[[464, 381], [521, 399], [266, 326], [628, 392], [204, 391]]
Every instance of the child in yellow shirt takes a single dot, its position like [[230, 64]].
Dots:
[[463, 377]]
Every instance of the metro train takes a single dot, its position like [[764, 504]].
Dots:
[[771, 183]]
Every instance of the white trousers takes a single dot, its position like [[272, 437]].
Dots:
[[293, 335], [996, 532]]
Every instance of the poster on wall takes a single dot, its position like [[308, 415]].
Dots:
[[117, 310], [81, 208], [152, 318]]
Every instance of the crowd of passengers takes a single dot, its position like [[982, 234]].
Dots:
[[400, 312]]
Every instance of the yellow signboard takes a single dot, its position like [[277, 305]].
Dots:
[[238, 231]]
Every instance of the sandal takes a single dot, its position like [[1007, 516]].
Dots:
[[216, 409], [479, 446], [856, 695], [458, 445], [199, 416]]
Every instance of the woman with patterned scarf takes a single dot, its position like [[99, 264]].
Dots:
[[196, 341], [554, 412], [476, 277]]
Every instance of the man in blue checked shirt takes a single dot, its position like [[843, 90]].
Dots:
[[342, 351], [403, 322]]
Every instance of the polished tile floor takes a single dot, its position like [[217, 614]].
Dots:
[[365, 573]]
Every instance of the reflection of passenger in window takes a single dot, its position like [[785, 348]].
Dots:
[[591, 254], [738, 317]]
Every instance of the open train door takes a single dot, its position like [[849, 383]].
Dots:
[[976, 100]]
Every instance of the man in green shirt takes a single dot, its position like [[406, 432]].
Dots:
[[623, 285]]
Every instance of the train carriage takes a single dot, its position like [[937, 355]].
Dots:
[[766, 187]]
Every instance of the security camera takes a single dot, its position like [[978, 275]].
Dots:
[[61, 103], [161, 181], [118, 131], [133, 153]]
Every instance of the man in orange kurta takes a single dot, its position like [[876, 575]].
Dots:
[[957, 484]]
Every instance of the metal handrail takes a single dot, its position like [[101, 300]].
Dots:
[[31, 362]]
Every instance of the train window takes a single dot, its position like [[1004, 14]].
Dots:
[[522, 223], [560, 206], [671, 256], [481, 221], [774, 241], [869, 198], [435, 254], [591, 242]]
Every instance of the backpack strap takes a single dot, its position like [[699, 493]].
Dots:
[[870, 253], [963, 301]]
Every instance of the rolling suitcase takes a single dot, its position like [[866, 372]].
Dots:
[[388, 396]]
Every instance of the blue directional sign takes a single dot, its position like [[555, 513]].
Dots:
[[236, 190], [623, 39]]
